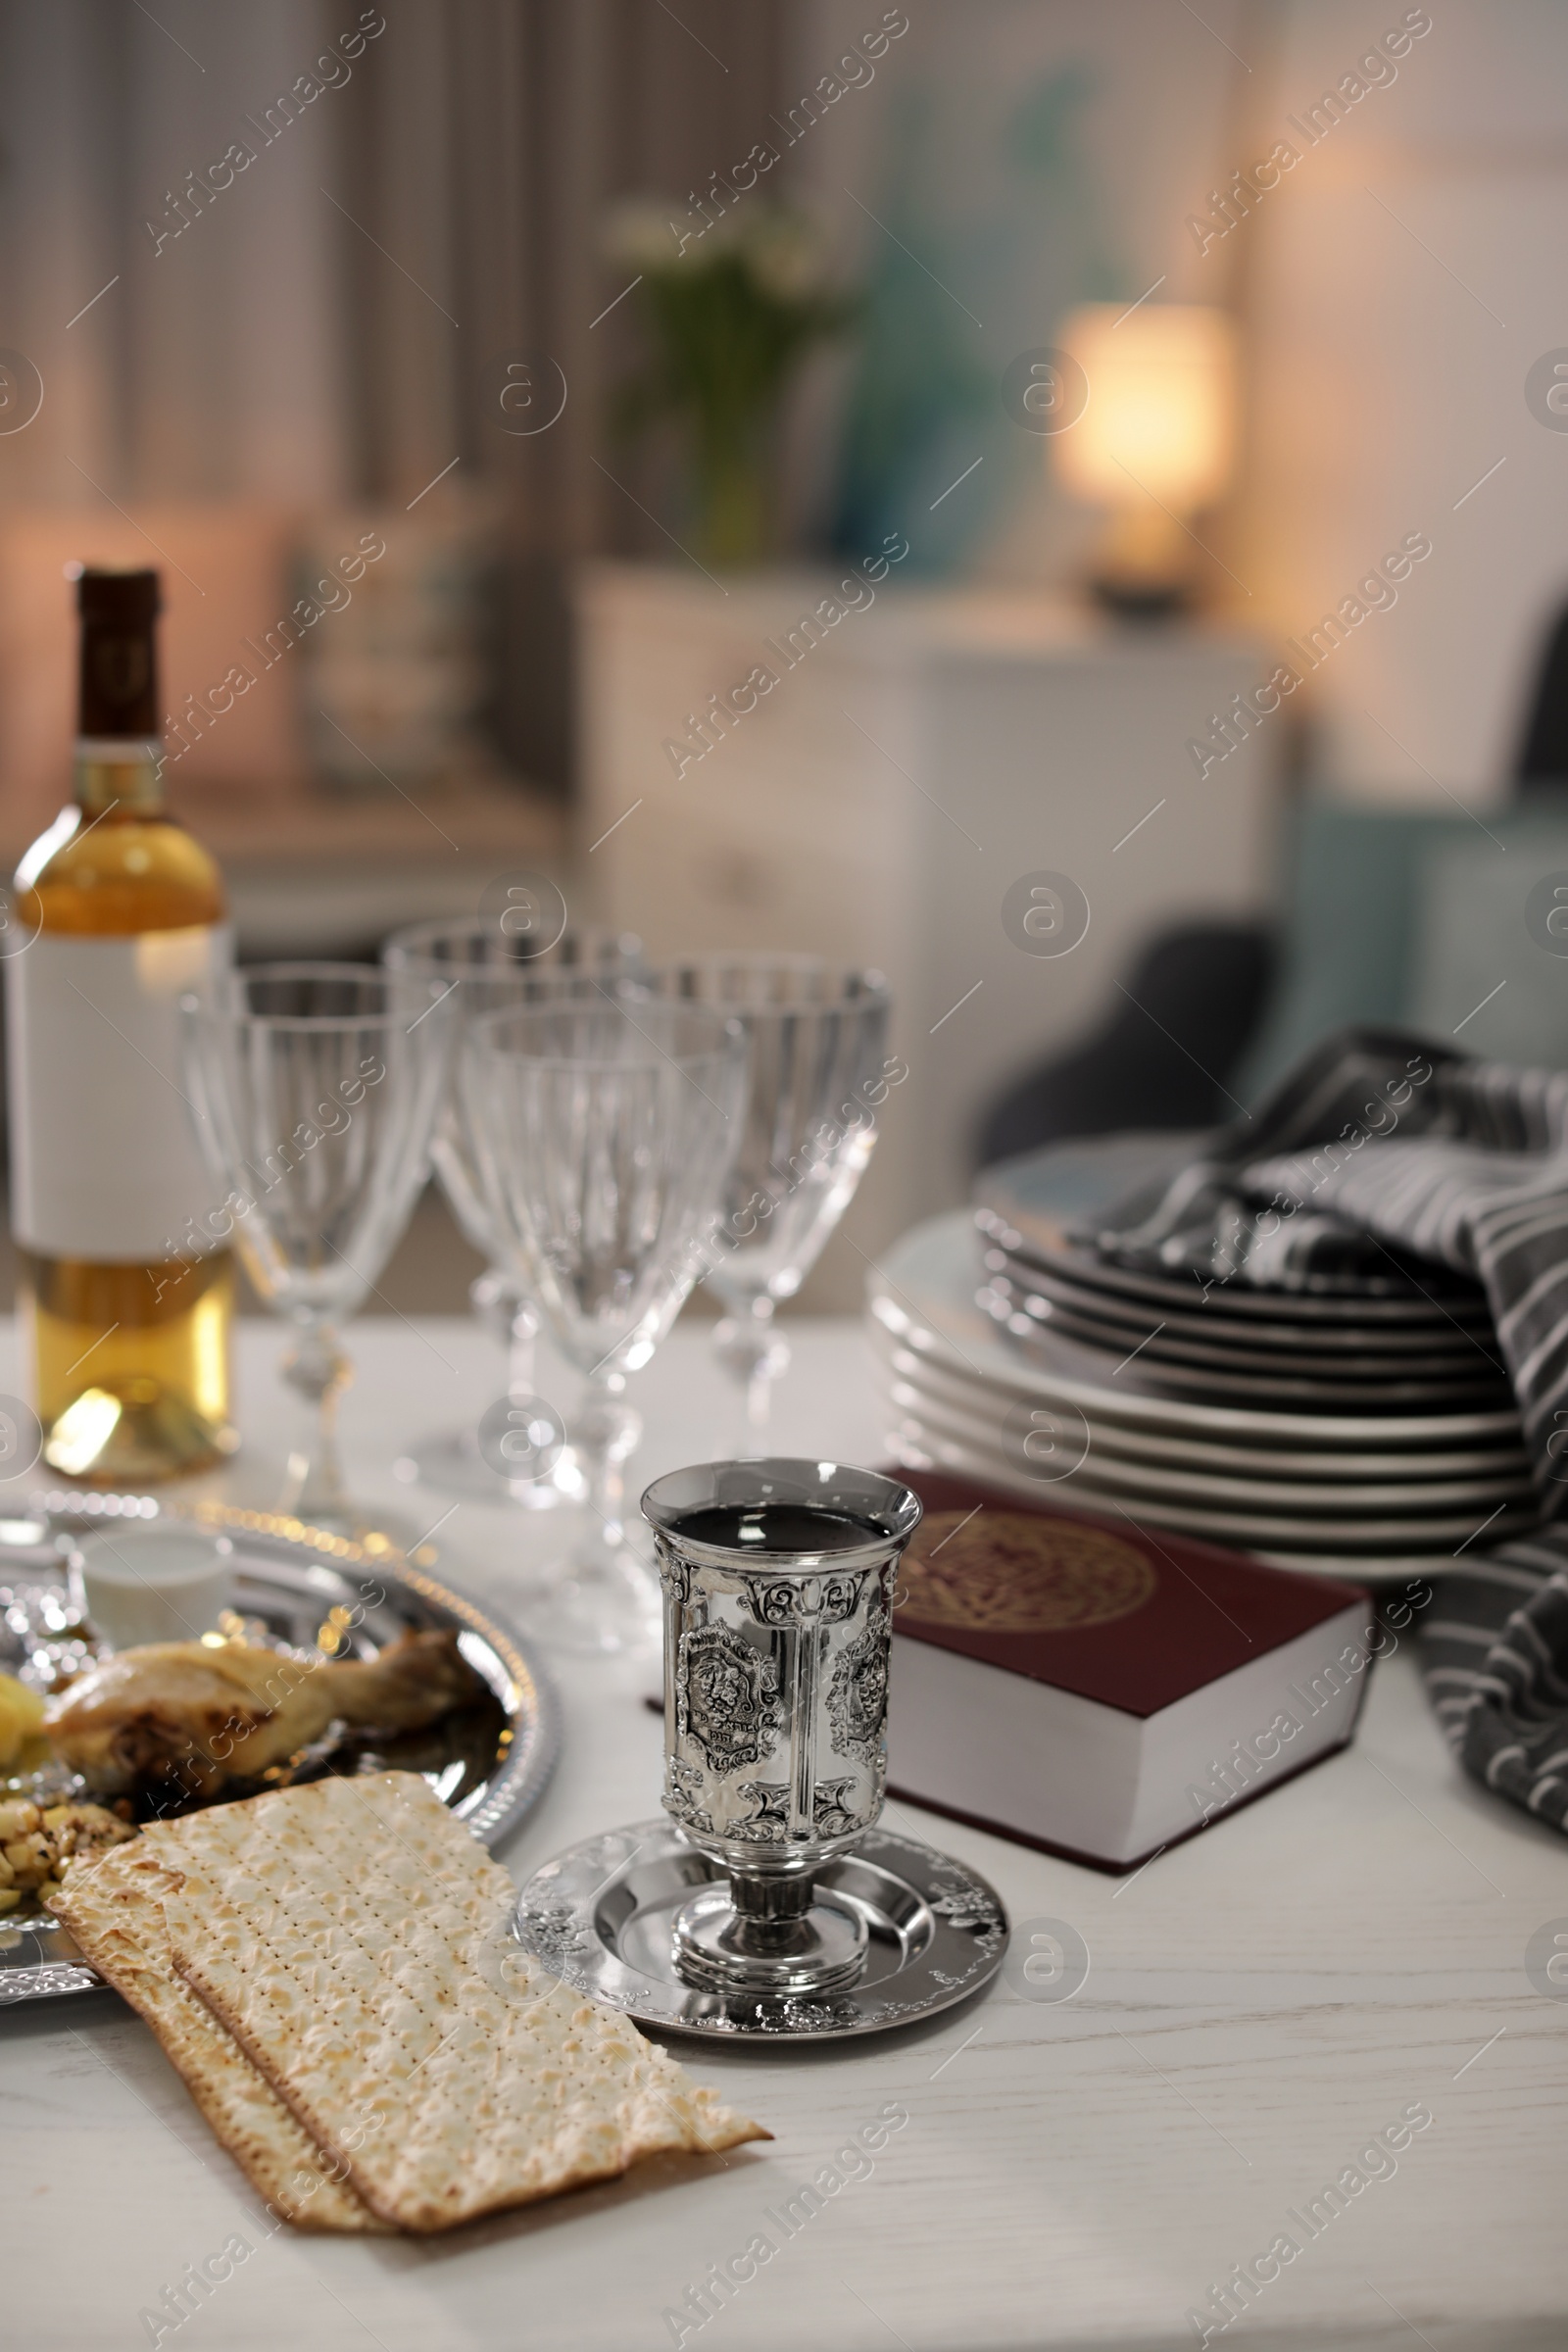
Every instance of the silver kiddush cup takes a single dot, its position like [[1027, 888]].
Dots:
[[778, 1583]]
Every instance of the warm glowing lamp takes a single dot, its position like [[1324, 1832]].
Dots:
[[1154, 441]]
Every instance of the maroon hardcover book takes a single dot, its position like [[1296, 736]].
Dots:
[[1103, 1690]]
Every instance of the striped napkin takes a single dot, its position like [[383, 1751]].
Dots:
[[1494, 1652], [1382, 1151]]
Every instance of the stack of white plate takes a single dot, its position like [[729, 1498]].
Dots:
[[1369, 1488]]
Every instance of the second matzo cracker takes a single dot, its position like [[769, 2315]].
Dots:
[[114, 1910], [346, 1933]]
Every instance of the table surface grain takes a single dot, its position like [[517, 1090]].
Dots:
[[1260, 2002]]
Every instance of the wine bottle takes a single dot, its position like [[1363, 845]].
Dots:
[[121, 912]]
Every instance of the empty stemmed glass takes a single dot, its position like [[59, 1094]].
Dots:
[[817, 1037], [486, 965], [316, 1086], [602, 1135]]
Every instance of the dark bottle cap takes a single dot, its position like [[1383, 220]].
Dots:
[[119, 613]]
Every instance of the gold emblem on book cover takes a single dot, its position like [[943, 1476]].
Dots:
[[1001, 1572]]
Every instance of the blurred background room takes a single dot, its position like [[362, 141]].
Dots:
[[1061, 506], [603, 605]]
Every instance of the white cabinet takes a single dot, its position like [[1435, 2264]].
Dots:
[[879, 799]]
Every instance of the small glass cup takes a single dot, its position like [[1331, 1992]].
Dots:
[[165, 1583]]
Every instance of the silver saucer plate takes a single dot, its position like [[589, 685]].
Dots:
[[292, 1577], [599, 1918]]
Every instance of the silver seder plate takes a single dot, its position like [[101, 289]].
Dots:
[[291, 1578], [599, 1917]]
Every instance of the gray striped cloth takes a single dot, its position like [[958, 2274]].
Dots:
[[1389, 1160], [1493, 1639]]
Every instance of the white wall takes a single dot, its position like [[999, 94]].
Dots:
[[1062, 142], [1409, 271], [1396, 287]]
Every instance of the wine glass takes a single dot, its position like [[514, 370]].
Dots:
[[602, 1135], [817, 1036], [490, 965], [316, 1086]]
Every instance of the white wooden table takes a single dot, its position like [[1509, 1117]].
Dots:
[[1260, 2002]]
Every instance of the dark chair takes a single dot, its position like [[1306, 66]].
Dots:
[[1180, 1023], [1541, 763], [1184, 1020]]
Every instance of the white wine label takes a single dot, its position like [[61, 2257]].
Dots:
[[105, 1162]]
